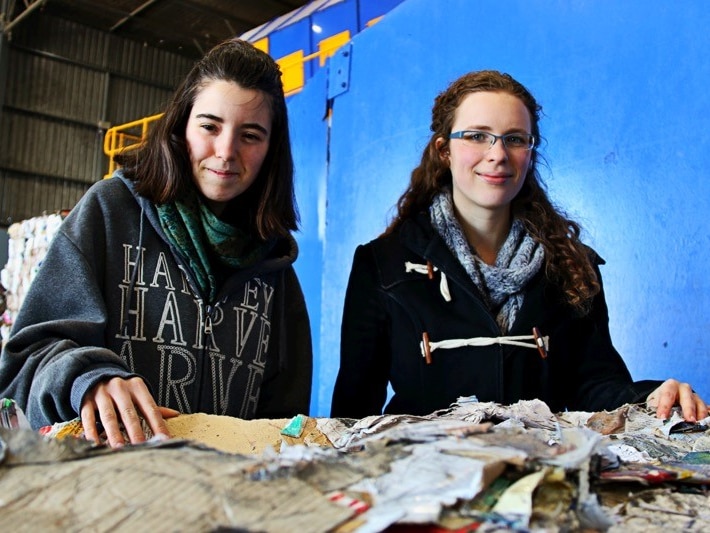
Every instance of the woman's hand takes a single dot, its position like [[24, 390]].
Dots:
[[670, 393], [123, 401]]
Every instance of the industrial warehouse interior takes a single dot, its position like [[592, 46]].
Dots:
[[553, 447]]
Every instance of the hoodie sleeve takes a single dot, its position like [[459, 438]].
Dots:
[[288, 392], [56, 351]]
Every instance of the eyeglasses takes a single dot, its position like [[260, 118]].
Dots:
[[485, 139]]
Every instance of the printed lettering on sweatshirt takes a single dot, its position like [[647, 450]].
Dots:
[[221, 353]]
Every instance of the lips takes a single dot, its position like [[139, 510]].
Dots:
[[223, 173], [493, 177]]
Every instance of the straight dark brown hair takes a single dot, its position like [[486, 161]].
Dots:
[[161, 167]]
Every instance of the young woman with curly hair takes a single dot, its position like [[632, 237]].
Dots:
[[480, 286]]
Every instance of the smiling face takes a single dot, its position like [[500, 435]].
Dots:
[[486, 179], [227, 134]]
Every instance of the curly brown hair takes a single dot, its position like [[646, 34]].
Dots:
[[567, 260]]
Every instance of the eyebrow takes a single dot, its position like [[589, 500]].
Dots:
[[488, 128], [248, 125]]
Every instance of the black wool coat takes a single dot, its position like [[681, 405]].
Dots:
[[387, 311]]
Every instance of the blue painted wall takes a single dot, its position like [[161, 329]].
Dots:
[[309, 134], [624, 87]]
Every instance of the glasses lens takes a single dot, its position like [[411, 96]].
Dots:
[[518, 141], [478, 138]]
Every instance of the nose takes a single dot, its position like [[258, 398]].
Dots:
[[497, 149], [225, 147]]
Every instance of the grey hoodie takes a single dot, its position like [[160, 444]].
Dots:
[[113, 298]]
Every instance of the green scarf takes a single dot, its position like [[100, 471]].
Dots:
[[202, 238]]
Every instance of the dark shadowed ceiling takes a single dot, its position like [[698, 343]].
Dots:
[[185, 27]]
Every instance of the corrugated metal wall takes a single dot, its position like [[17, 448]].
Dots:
[[66, 83]]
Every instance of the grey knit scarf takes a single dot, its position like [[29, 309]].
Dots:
[[502, 284]]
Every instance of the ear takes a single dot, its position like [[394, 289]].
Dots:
[[442, 147]]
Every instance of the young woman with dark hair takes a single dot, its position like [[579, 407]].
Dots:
[[170, 287]]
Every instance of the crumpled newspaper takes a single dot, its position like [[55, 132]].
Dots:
[[11, 416]]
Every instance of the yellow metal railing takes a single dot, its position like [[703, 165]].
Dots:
[[124, 138], [292, 65]]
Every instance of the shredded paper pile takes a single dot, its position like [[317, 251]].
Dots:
[[475, 466]]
